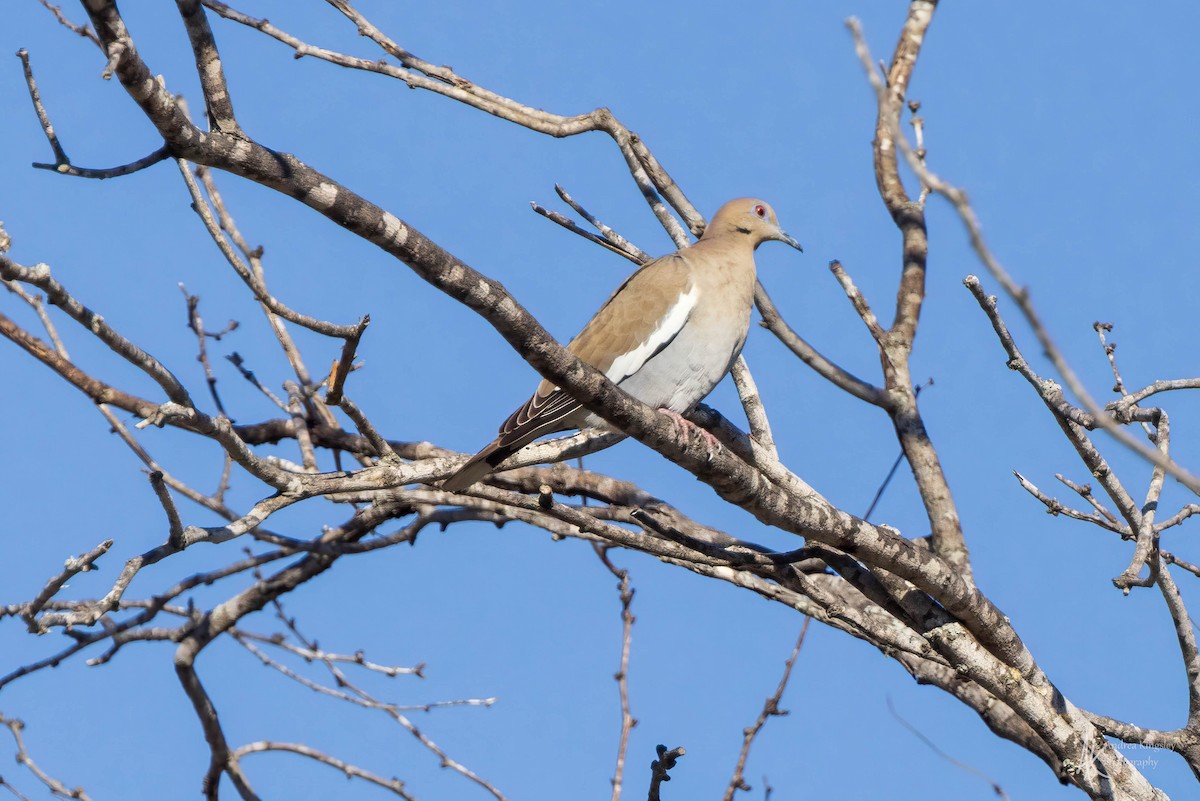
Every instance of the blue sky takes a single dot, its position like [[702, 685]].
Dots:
[[1072, 132]]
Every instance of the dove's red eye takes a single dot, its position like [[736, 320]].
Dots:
[[761, 211]]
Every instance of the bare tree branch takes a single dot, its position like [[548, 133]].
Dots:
[[912, 598], [774, 323], [351, 771], [963, 766], [623, 245], [622, 675], [39, 276], [659, 767], [770, 708], [82, 30], [945, 527], [73, 567], [15, 727], [756, 413]]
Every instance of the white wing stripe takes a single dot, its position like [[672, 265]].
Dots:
[[672, 323]]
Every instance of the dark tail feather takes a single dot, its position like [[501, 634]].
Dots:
[[480, 465], [514, 435]]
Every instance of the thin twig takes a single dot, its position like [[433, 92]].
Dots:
[[201, 207], [255, 278], [659, 767], [83, 30], [1147, 537], [1179, 517], [622, 676], [1073, 421], [337, 376], [17, 793], [174, 524], [52, 784], [1185, 634], [382, 447], [214, 502], [1123, 405], [300, 424], [104, 173], [608, 233], [858, 301], [1110, 351], [566, 222], [39, 276], [62, 163], [773, 321], [79, 613], [350, 771], [884, 485], [1085, 491], [887, 480], [958, 763], [770, 708], [71, 568], [358, 697], [1056, 507], [237, 361], [218, 496], [1172, 559], [60, 155], [316, 654], [196, 324], [37, 302]]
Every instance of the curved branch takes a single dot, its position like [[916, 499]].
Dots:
[[773, 321]]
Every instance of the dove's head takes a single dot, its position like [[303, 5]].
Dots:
[[749, 217]]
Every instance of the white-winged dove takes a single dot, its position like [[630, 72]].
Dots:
[[667, 336]]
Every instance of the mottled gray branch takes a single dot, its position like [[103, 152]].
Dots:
[[946, 532]]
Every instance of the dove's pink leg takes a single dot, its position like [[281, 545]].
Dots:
[[683, 424]]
